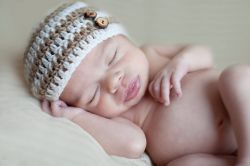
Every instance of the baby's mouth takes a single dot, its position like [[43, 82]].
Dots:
[[133, 89]]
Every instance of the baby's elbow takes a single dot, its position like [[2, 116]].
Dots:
[[137, 146], [207, 53]]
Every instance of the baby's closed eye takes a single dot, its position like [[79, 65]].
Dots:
[[113, 58]]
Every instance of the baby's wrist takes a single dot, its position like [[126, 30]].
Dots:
[[183, 61], [71, 113], [78, 116]]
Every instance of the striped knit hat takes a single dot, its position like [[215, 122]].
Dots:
[[61, 42]]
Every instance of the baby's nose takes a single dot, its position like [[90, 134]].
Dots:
[[114, 81]]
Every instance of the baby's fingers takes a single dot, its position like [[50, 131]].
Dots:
[[46, 106], [57, 107], [60, 109], [176, 81], [154, 88], [165, 89]]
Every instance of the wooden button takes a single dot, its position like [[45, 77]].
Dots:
[[90, 14], [102, 22]]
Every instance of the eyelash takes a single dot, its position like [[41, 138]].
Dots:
[[92, 99], [113, 58]]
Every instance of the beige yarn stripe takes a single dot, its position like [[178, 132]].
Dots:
[[42, 25]]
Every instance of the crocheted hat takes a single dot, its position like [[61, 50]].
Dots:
[[61, 42]]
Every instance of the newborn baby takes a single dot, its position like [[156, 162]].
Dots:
[[166, 100]]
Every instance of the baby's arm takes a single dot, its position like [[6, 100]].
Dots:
[[203, 159], [180, 60], [118, 136], [196, 56]]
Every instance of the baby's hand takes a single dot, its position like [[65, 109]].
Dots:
[[168, 78], [60, 109]]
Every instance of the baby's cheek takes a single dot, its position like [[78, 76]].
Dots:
[[105, 106], [109, 108]]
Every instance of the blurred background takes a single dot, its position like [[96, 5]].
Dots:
[[224, 25]]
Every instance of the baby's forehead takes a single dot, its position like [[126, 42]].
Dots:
[[95, 58], [113, 40], [102, 48], [98, 54], [110, 41]]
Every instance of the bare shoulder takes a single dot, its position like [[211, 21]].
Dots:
[[148, 49], [164, 50], [150, 53]]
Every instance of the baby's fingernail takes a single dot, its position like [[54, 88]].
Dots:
[[178, 93], [166, 103]]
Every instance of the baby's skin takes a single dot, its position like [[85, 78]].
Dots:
[[167, 100]]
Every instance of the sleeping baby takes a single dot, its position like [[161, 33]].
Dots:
[[165, 100]]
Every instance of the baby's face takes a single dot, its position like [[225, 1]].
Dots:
[[111, 78]]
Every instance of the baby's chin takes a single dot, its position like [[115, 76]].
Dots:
[[114, 111]]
